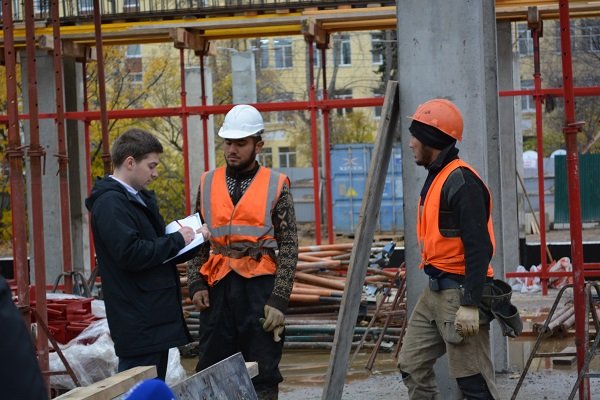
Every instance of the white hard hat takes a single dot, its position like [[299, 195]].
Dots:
[[240, 122]]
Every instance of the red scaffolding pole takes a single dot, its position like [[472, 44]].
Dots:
[[14, 154], [36, 153], [570, 129], [536, 31], [184, 131], [314, 139], [63, 160], [327, 150]]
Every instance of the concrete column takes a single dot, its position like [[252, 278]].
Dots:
[[503, 183], [73, 89], [197, 153], [447, 49], [50, 187]]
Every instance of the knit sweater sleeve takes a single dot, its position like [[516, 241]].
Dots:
[[284, 223], [196, 281]]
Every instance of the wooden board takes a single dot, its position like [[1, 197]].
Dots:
[[227, 379], [567, 360], [361, 251], [111, 387]]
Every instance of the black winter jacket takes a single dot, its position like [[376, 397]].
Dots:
[[142, 295]]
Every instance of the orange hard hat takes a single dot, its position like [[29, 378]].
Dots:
[[441, 114]]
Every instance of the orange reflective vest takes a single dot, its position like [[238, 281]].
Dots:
[[445, 253], [240, 232]]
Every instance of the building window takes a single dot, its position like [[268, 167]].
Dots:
[[85, 7], [287, 157], [263, 53], [345, 50], [283, 53], [527, 102], [265, 157], [317, 57], [377, 48], [131, 6], [133, 62], [525, 42], [134, 51], [377, 111], [589, 40], [343, 94]]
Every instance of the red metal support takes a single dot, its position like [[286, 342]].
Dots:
[[102, 88], [571, 128], [327, 150], [315, 140], [63, 160], [14, 154], [88, 161], [36, 155], [204, 115], [184, 132], [537, 79]]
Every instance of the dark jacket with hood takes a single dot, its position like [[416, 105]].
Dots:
[[142, 295]]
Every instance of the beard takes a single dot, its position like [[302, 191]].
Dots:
[[242, 166]]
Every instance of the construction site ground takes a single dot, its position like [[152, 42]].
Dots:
[[304, 371]]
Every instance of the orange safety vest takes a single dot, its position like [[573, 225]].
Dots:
[[445, 253], [240, 232]]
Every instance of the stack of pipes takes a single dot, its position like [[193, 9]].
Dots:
[[317, 294], [562, 321]]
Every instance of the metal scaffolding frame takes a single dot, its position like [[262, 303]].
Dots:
[[314, 35]]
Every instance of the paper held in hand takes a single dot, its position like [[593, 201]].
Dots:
[[194, 222]]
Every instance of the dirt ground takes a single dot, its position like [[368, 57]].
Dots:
[[304, 372]]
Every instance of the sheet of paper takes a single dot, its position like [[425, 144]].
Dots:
[[194, 222]]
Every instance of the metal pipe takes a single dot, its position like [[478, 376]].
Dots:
[[184, 132], [36, 153], [63, 159], [327, 150], [538, 98], [102, 88], [14, 154], [203, 115], [209, 109], [315, 142], [88, 162], [571, 128]]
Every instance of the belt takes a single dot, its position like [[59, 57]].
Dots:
[[441, 283]]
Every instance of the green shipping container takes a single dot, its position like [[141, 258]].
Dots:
[[589, 187]]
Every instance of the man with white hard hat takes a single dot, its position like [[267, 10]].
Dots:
[[242, 287]]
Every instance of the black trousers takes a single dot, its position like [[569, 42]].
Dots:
[[160, 359], [230, 325]]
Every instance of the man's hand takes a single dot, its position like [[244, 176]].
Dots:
[[274, 321], [467, 320], [201, 300], [187, 233], [204, 232]]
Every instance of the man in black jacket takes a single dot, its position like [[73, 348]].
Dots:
[[142, 295], [456, 239], [20, 375]]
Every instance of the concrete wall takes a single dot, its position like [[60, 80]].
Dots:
[[449, 50]]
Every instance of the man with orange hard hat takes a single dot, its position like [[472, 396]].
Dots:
[[456, 239]]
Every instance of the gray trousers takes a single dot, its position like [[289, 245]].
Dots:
[[430, 334]]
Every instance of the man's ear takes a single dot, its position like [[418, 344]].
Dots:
[[258, 146], [129, 162]]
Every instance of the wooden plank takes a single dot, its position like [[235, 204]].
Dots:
[[227, 379], [359, 260], [111, 387], [567, 360]]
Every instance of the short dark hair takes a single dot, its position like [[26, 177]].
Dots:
[[136, 143]]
